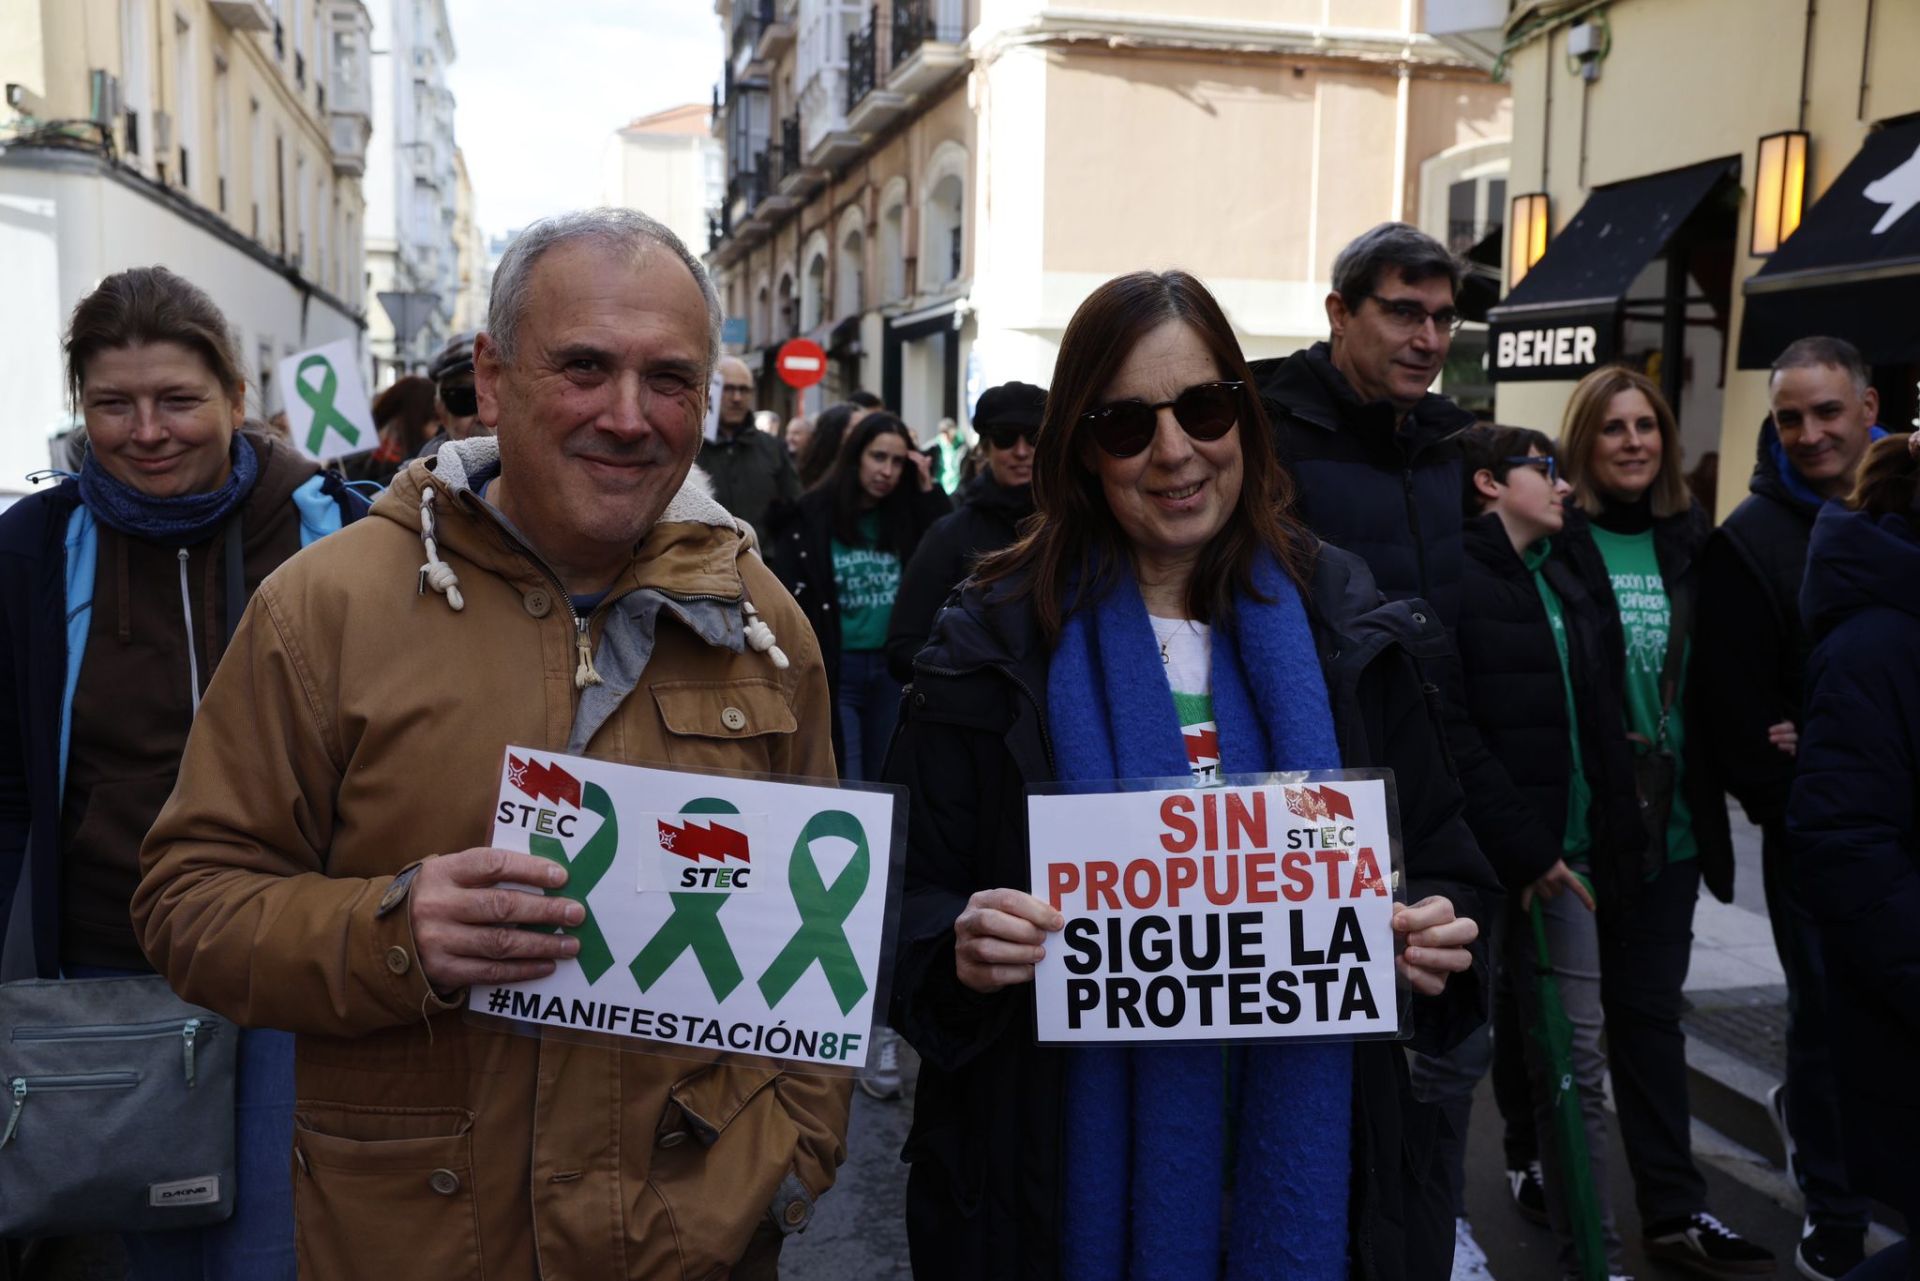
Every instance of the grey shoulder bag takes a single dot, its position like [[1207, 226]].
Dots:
[[119, 1108]]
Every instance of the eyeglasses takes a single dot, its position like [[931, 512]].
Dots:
[[1205, 411], [461, 400], [1004, 435], [1410, 316], [1545, 462]]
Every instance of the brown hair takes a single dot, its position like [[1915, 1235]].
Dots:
[[1580, 430], [1889, 479], [410, 400], [149, 305], [1073, 549]]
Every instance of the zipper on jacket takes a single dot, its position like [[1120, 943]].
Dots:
[[1413, 526], [105, 1031], [186, 613], [22, 1085]]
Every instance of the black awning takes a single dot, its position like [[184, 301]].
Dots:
[[1563, 319], [1480, 285], [1852, 270]]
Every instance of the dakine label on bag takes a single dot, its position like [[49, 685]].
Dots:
[[201, 1191], [1219, 913], [723, 914]]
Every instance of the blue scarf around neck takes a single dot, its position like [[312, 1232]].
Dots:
[[1146, 1128], [185, 520]]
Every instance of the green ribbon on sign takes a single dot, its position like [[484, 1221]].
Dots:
[[584, 871], [695, 924], [320, 400], [824, 911]]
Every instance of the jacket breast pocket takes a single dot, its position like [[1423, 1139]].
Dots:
[[734, 725], [384, 1192]]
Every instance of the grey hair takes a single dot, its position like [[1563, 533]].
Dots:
[[618, 229], [1827, 353], [1411, 251]]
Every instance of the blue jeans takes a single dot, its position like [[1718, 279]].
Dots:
[[869, 702], [256, 1244]]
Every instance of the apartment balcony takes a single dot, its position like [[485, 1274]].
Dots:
[[776, 31], [776, 201], [750, 18], [798, 178], [929, 44], [870, 108], [243, 15], [825, 141], [347, 134]]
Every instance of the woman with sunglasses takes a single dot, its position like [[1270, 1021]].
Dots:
[[1161, 588], [1620, 448]]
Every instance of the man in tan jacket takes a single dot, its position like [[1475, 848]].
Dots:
[[322, 867]]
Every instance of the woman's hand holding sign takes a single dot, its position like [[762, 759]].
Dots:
[[999, 938], [1437, 943], [466, 921]]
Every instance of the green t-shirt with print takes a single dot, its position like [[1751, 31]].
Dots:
[[1646, 614], [867, 580]]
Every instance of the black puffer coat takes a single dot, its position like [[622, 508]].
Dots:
[[987, 520], [1677, 541], [983, 1196], [1516, 697]]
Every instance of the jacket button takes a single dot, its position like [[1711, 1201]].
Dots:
[[445, 1182], [795, 1213], [1420, 619], [734, 719], [538, 602], [397, 960], [673, 1138]]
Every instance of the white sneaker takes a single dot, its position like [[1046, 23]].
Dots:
[[1469, 1260]]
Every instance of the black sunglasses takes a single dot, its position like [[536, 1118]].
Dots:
[[1205, 411], [461, 400], [1003, 435], [1545, 462]]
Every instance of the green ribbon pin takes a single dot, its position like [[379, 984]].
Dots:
[[695, 924], [325, 416], [584, 871], [823, 914]]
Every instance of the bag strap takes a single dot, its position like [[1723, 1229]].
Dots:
[[1679, 624]]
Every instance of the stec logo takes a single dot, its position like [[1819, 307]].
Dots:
[[702, 853], [540, 782]]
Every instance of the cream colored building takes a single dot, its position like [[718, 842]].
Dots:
[[930, 188], [474, 279], [224, 139], [670, 165], [1648, 116]]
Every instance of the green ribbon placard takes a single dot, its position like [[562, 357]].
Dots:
[[824, 911], [584, 871], [695, 924], [320, 400]]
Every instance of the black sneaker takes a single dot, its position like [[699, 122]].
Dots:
[[1828, 1252], [1529, 1189], [1705, 1245]]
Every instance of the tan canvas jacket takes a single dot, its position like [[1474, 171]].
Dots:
[[356, 726]]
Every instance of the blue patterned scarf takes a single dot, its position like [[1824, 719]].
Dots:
[[185, 520], [1146, 1128]]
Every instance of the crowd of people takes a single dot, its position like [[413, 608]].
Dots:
[[224, 666]]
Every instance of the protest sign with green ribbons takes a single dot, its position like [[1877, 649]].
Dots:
[[695, 924], [584, 871], [320, 399]]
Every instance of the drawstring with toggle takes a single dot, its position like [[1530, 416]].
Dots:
[[436, 573], [584, 675], [760, 637]]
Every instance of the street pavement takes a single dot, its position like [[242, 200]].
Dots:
[[859, 1231]]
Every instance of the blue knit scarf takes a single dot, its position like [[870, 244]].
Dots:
[[1146, 1128], [185, 520]]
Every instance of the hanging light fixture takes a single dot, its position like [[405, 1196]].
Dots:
[[1780, 191], [1526, 235]]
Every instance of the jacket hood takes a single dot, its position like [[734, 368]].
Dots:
[[1313, 389], [985, 492], [1856, 561], [283, 469], [1488, 543]]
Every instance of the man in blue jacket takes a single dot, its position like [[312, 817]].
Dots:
[[1751, 664]]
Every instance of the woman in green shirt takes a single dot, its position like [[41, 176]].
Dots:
[[1620, 446]]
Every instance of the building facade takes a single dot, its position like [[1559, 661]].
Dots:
[[929, 188], [670, 165], [470, 254], [412, 188], [225, 139], [1696, 213]]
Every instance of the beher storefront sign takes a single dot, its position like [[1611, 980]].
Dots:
[[1548, 347]]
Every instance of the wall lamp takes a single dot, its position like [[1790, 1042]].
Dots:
[[1526, 236], [1780, 193]]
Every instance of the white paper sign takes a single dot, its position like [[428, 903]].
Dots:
[[327, 408], [1217, 914], [724, 914]]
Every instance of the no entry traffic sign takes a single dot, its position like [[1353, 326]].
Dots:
[[801, 363]]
